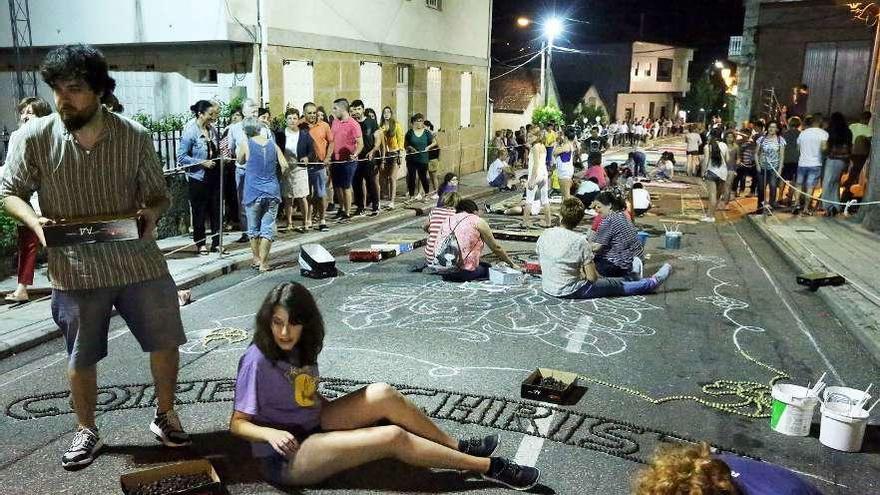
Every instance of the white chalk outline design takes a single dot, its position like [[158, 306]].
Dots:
[[478, 311]]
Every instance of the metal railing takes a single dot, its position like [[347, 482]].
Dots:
[[735, 47]]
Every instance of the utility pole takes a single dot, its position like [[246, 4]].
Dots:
[[22, 44], [543, 70]]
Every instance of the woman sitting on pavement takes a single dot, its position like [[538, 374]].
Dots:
[[301, 438], [500, 174], [438, 216], [617, 240], [472, 233], [567, 267], [695, 469], [262, 190]]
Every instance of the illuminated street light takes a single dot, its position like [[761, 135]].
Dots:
[[719, 64], [523, 21], [552, 28]]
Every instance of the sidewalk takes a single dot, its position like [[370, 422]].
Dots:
[[821, 244], [28, 325]]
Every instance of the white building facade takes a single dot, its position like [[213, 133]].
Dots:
[[427, 56], [658, 79]]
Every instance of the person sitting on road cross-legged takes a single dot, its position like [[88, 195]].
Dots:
[[567, 267], [472, 233], [300, 438], [617, 240], [500, 175], [695, 469]]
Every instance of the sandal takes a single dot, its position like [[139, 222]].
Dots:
[[11, 299], [203, 251], [301, 230]]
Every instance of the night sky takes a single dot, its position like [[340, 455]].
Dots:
[[705, 25]]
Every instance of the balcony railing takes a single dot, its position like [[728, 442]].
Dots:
[[735, 47]]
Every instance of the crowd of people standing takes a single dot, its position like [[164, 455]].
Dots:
[[783, 163], [347, 162]]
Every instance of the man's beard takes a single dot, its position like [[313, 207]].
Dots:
[[74, 120]]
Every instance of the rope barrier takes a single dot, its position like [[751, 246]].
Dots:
[[849, 204]]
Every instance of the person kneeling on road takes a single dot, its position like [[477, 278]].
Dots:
[[300, 438], [500, 175], [514, 207], [567, 267]]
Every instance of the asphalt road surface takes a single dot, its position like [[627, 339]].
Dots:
[[691, 362]]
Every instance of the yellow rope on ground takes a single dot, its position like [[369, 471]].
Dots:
[[225, 335]]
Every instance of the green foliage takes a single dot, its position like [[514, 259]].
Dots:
[[590, 112], [706, 93], [550, 114], [279, 123], [234, 104], [170, 122], [175, 221], [8, 235]]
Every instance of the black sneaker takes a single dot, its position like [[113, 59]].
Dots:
[[83, 449], [167, 428], [344, 218], [505, 472], [331, 207], [323, 227], [244, 238], [360, 212], [479, 447], [373, 213]]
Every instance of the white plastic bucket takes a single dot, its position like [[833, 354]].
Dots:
[[673, 240], [792, 412], [843, 427], [846, 395]]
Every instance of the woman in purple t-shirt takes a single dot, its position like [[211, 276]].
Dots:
[[301, 438]]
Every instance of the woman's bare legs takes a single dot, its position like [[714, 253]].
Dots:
[[376, 402], [565, 185], [325, 454]]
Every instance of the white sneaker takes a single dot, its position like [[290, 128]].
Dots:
[[708, 219]]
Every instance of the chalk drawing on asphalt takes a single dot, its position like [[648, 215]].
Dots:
[[480, 311]]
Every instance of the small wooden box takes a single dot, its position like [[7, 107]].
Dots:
[[130, 481], [364, 255], [92, 230], [531, 387]]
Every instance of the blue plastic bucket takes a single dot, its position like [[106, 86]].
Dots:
[[643, 237]]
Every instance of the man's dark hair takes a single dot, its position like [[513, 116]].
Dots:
[[291, 111], [570, 134], [302, 309], [593, 180], [794, 122], [72, 62], [416, 117], [309, 104], [342, 103], [357, 103], [467, 205], [263, 111], [638, 185]]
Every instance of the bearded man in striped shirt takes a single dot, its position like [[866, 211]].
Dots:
[[85, 161]]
